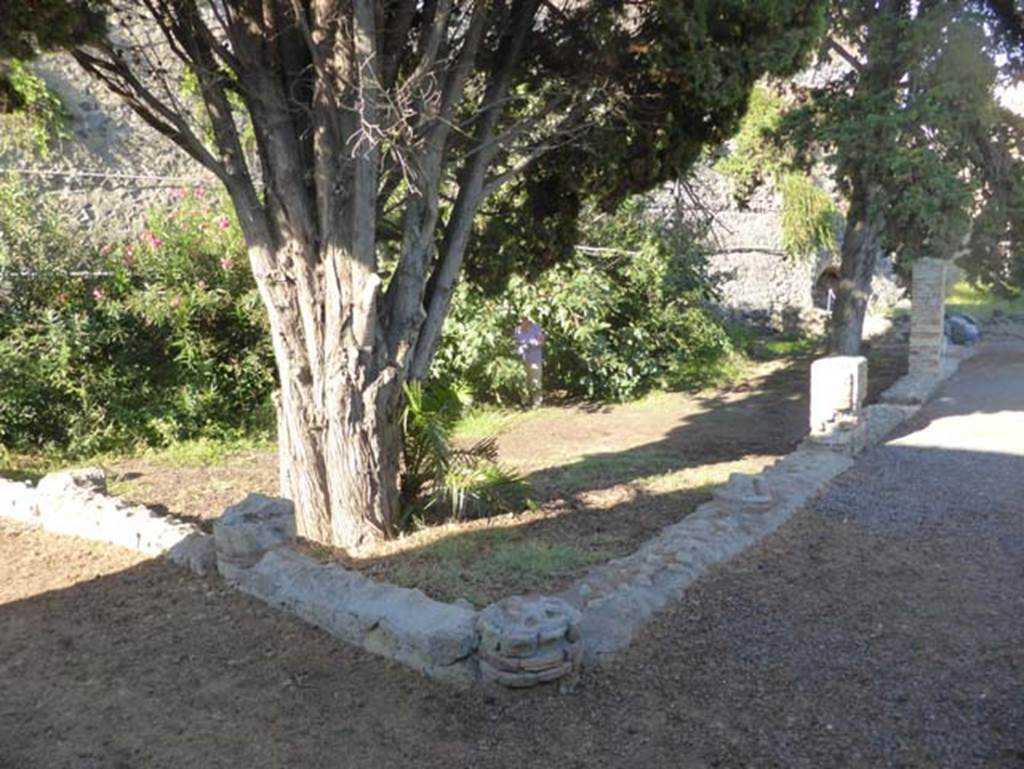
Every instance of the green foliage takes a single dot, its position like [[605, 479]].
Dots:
[[30, 26], [628, 313], [440, 481], [754, 160], [678, 77], [149, 341], [983, 303], [810, 219], [915, 139], [32, 117]]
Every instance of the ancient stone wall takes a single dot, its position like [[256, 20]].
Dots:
[[111, 167], [758, 281]]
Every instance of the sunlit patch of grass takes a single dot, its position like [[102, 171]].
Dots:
[[981, 302], [207, 451], [655, 400], [703, 478], [597, 470], [202, 452], [484, 422], [486, 565], [119, 487], [789, 347]]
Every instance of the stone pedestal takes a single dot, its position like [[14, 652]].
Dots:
[[927, 316], [529, 640], [838, 387]]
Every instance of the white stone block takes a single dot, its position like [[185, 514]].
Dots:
[[838, 388]]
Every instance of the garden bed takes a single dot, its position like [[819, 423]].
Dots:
[[605, 479]]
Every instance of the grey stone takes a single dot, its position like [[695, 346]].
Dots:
[[84, 479], [529, 640], [880, 419], [74, 502], [838, 387], [18, 501], [249, 529], [197, 552], [744, 493], [437, 639], [962, 331], [622, 595]]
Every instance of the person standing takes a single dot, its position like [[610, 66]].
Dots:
[[529, 338]]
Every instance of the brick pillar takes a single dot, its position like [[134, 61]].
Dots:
[[927, 316]]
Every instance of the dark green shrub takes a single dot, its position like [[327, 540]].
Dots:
[[628, 313]]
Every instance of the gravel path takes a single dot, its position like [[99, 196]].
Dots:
[[882, 627]]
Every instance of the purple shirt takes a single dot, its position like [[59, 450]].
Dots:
[[530, 343]]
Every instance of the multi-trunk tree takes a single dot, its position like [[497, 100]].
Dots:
[[380, 128], [917, 143]]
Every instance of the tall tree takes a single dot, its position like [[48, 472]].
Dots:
[[381, 126], [917, 143]]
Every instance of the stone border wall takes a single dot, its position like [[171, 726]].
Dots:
[[519, 641], [75, 502]]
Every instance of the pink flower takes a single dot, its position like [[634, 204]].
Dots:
[[98, 294], [223, 222], [226, 263], [152, 240], [175, 301], [201, 285], [181, 194], [199, 192]]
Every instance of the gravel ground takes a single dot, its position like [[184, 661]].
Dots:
[[882, 627]]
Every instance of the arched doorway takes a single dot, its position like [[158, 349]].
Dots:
[[826, 287]]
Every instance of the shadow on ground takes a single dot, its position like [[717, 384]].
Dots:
[[881, 627]]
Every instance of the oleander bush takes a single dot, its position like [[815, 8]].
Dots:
[[145, 341]]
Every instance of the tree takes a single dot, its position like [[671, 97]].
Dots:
[[917, 144], [381, 126]]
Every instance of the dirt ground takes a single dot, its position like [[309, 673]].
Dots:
[[605, 479], [881, 627]]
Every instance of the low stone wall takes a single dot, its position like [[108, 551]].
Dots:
[[256, 552], [75, 503], [519, 641], [616, 599]]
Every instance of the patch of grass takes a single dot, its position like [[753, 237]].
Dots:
[[487, 565], [600, 470], [652, 401], [205, 452], [208, 451], [981, 302], [702, 478], [484, 422], [789, 347], [125, 488], [530, 563]]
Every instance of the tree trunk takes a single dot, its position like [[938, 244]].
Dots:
[[342, 463], [860, 249]]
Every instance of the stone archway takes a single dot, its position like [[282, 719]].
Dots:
[[823, 294]]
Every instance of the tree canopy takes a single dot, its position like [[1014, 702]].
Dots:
[[380, 128], [918, 146]]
